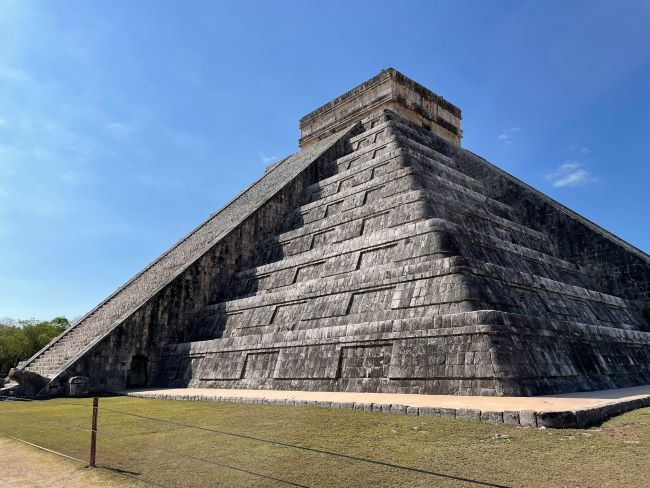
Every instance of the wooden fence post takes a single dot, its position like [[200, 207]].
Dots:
[[93, 433]]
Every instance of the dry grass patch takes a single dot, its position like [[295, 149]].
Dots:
[[453, 453]]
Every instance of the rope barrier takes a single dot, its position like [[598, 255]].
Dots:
[[295, 446], [312, 449], [195, 458], [222, 465], [143, 444], [43, 448], [52, 451]]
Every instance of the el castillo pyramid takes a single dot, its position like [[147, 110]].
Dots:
[[380, 257]]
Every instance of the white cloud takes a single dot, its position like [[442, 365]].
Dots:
[[570, 174], [3, 122], [508, 135], [563, 169], [266, 159]]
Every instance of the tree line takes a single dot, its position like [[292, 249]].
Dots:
[[21, 339]]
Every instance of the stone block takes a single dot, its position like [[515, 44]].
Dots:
[[78, 386], [511, 418], [468, 414], [492, 417], [557, 420], [398, 409], [412, 411]]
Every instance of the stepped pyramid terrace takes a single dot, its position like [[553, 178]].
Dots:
[[381, 257]]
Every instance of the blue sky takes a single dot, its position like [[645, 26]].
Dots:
[[124, 124]]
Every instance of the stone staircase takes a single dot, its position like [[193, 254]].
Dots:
[[55, 357]]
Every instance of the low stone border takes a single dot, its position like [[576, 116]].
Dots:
[[568, 419]]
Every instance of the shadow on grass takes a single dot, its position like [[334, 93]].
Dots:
[[119, 471]]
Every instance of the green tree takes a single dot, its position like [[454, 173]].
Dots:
[[20, 339]]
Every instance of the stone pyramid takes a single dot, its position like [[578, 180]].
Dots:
[[381, 257]]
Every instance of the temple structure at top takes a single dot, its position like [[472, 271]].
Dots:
[[389, 90]]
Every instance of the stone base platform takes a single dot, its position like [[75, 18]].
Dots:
[[569, 410]]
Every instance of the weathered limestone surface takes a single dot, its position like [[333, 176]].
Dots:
[[382, 258]]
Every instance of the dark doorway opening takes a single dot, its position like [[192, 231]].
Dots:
[[137, 374]]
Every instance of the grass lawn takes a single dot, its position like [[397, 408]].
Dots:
[[616, 454]]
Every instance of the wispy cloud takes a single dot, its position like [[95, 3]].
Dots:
[[508, 135], [570, 174], [266, 159]]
